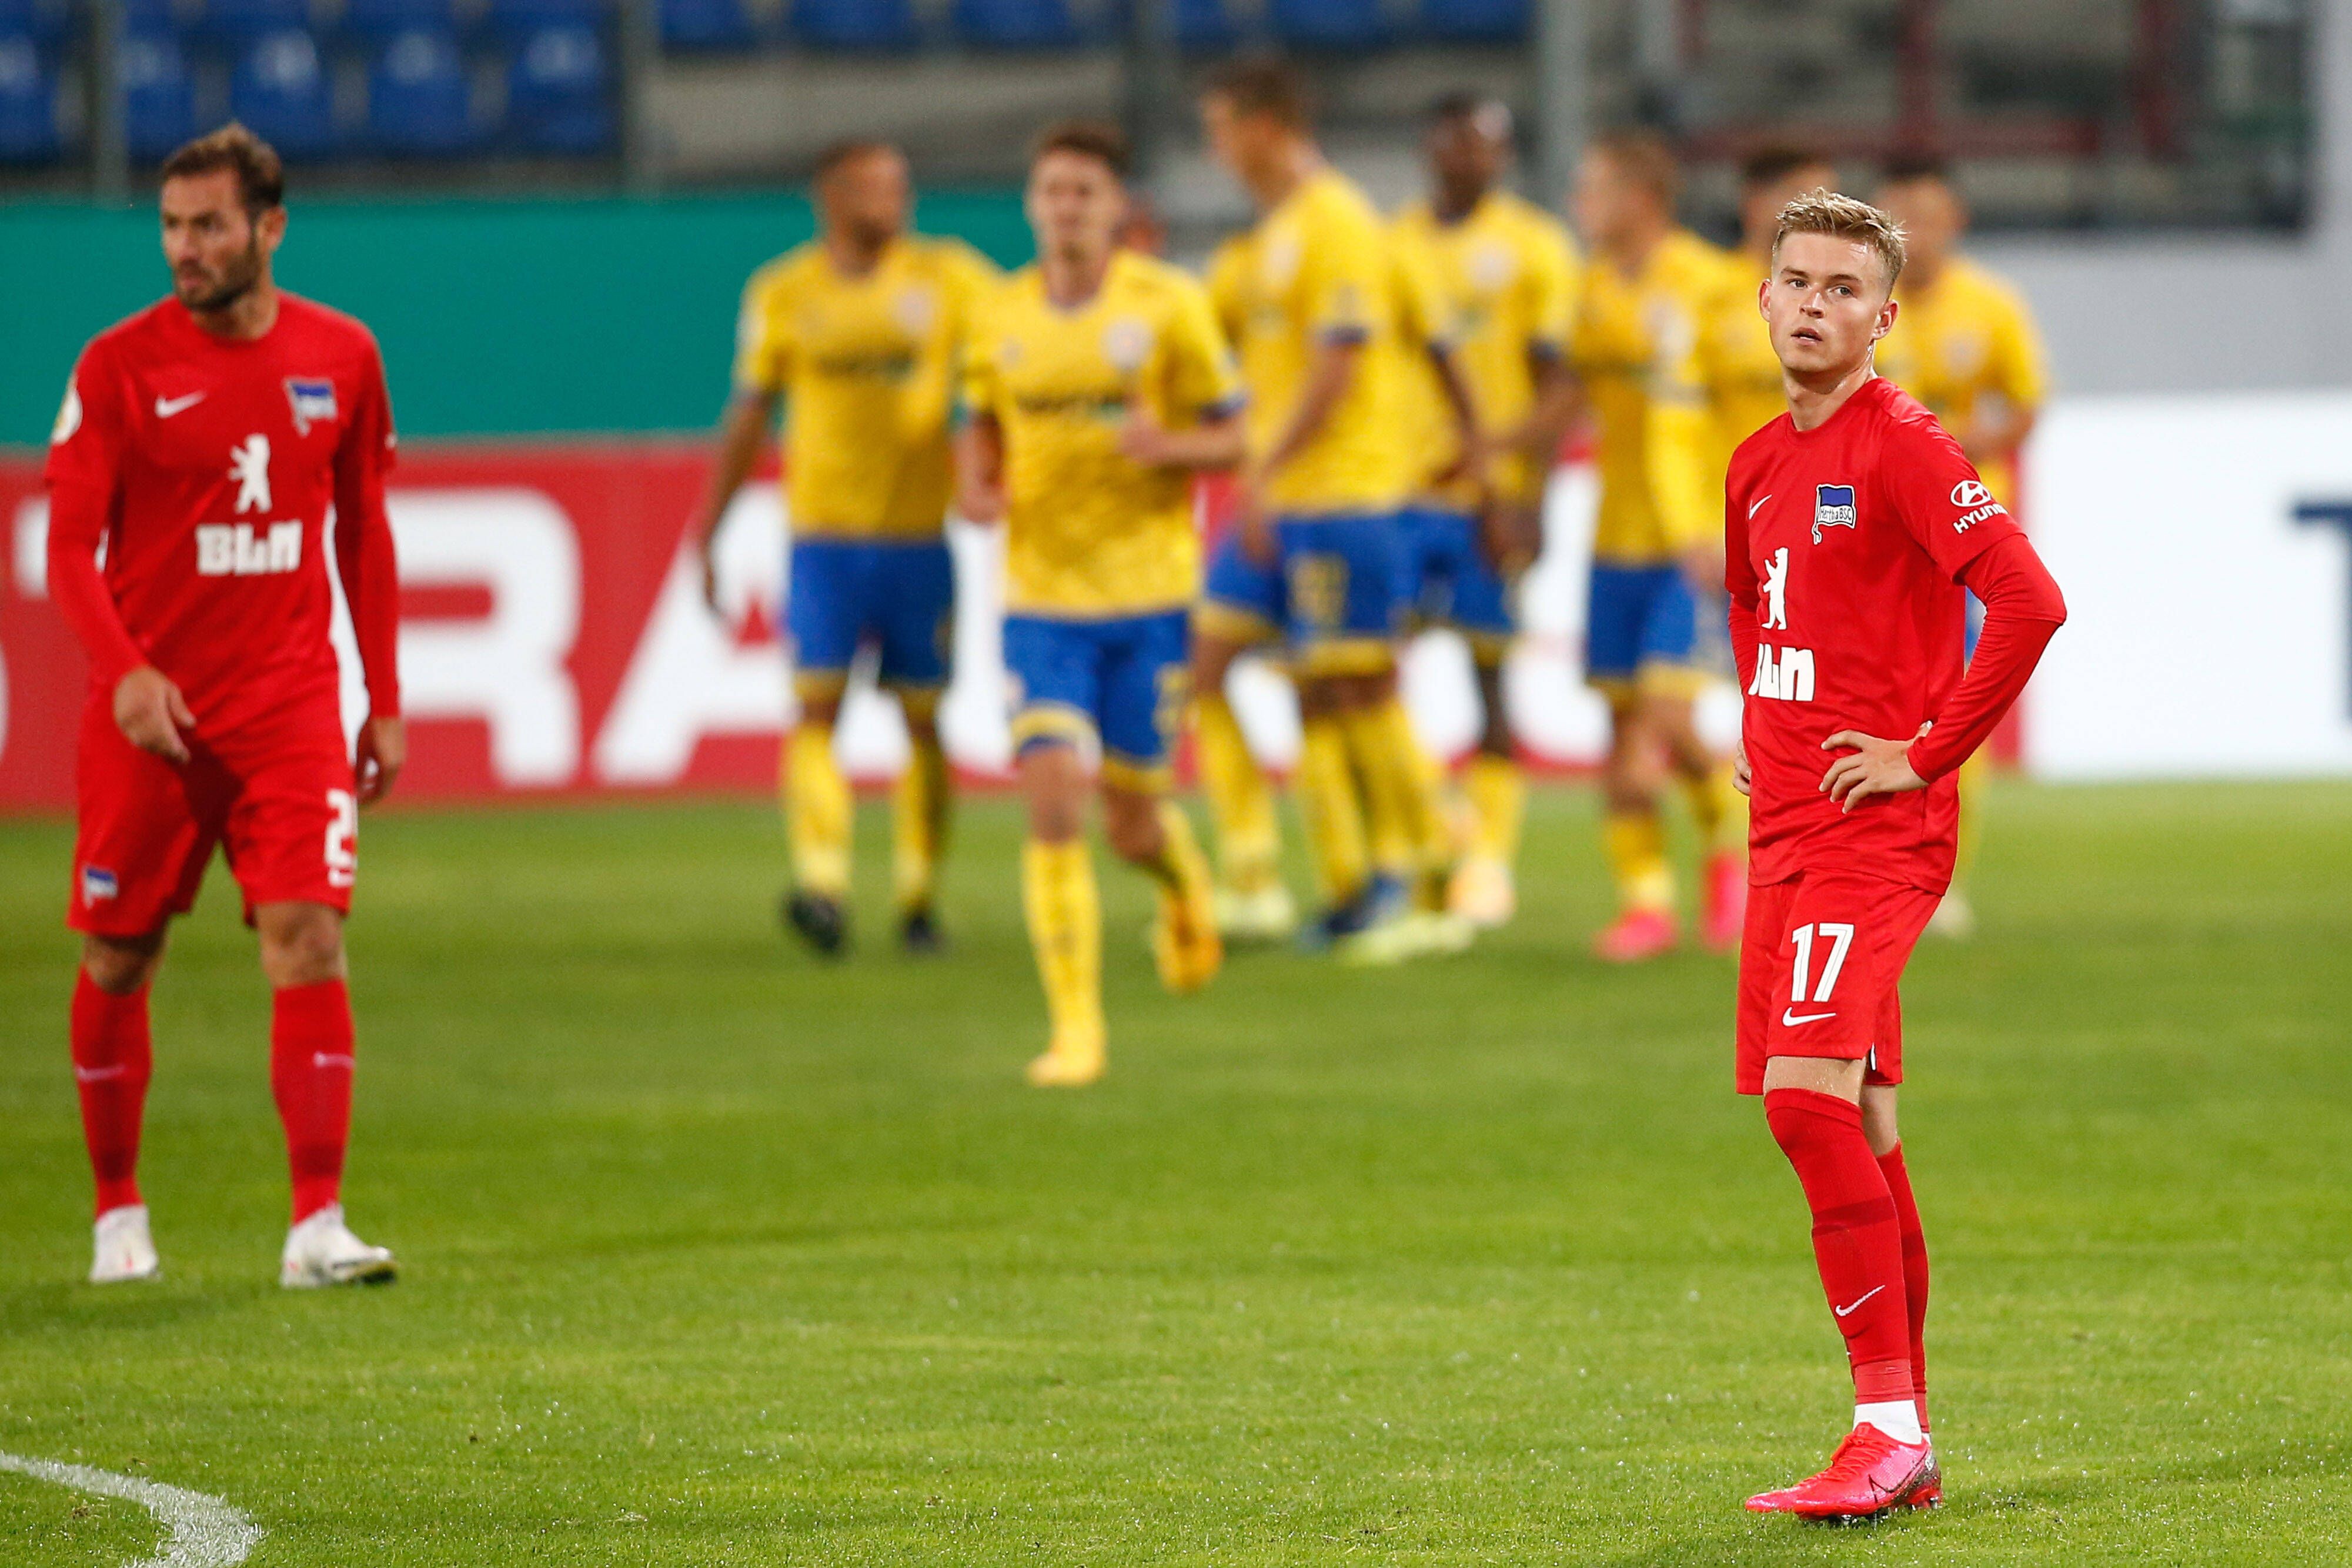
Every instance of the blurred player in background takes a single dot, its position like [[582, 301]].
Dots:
[[1748, 393], [1505, 276], [1851, 528], [856, 334], [201, 447], [1315, 296], [1641, 348], [1965, 345], [1097, 386]]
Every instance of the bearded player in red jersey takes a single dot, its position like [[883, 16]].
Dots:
[[201, 446], [1852, 524]]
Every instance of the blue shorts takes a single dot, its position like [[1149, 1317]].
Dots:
[[1641, 629], [1449, 579], [1336, 592], [1123, 680], [896, 594]]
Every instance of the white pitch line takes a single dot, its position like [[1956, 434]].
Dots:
[[202, 1532]]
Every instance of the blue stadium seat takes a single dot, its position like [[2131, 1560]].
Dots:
[[279, 89], [706, 24], [1204, 27], [159, 96], [1329, 24], [42, 21], [28, 103], [1475, 21], [419, 99], [150, 18], [1015, 24], [558, 97], [855, 24], [389, 18], [238, 21], [521, 19]]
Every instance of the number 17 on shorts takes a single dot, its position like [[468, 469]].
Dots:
[[1819, 966]]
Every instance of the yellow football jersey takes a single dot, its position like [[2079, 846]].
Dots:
[[1507, 275], [1089, 532], [1315, 270], [1968, 338], [1743, 371], [1639, 344], [867, 367]]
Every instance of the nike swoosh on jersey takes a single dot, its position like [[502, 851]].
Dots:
[[165, 407], [1856, 1307], [1790, 1017], [1758, 506]]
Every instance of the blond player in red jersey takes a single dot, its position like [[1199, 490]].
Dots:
[[202, 446], [1852, 524]]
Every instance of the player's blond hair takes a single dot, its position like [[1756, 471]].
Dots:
[[1819, 212]]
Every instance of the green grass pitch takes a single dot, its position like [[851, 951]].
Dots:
[[716, 1255]]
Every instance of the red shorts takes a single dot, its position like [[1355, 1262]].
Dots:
[[1817, 967], [276, 797]]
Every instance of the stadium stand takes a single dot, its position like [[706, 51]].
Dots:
[[1016, 23], [159, 94], [29, 102], [877, 25], [419, 97], [707, 24], [281, 88], [238, 21], [382, 19], [558, 93]]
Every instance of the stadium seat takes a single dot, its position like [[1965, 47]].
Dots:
[[557, 93], [1015, 24], [237, 21], [389, 18], [707, 24], [279, 89], [159, 96], [42, 21], [420, 101], [1475, 21], [877, 25], [1204, 27], [28, 103], [1328, 23]]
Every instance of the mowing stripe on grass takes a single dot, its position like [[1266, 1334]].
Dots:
[[205, 1531]]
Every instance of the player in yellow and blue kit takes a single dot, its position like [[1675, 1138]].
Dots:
[[1963, 344], [1641, 349], [1097, 385], [1314, 299], [857, 334], [1504, 274]]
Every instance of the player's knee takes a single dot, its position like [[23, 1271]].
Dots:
[[1055, 787], [1212, 658], [302, 944], [120, 965], [820, 712], [1132, 824]]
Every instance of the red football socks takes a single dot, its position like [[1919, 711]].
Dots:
[[1857, 1242], [1914, 1268], [113, 1059], [311, 1076]]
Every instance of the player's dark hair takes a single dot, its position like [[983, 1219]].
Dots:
[[1917, 164], [835, 154], [261, 177], [1097, 139], [1776, 161], [1467, 103], [1643, 157], [1263, 85]]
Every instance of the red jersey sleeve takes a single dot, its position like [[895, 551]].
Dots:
[[1937, 493], [2023, 609], [364, 558], [83, 472]]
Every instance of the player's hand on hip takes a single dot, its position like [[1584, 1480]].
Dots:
[[1702, 567], [1743, 778], [151, 713], [1256, 525], [382, 752], [1872, 766]]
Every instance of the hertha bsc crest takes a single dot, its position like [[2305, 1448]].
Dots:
[[1832, 508]]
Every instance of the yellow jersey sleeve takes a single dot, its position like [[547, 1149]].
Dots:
[[1549, 275], [1198, 366], [1677, 424], [1345, 274], [1228, 285], [980, 383], [2018, 368], [763, 345]]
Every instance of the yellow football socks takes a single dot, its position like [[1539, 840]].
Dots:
[[1636, 846], [815, 798], [1064, 911], [918, 822], [1239, 802], [1328, 798], [1718, 810], [1499, 806]]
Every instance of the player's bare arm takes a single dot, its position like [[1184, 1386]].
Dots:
[[742, 436], [1209, 446], [979, 469], [1334, 371]]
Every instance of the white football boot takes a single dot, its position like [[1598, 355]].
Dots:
[[321, 1251], [121, 1248]]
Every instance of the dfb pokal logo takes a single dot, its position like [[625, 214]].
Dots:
[[1832, 508]]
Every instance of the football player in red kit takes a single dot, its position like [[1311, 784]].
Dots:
[[201, 445], [1852, 523]]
